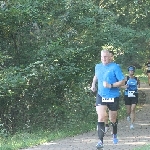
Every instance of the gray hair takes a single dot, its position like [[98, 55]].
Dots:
[[105, 51]]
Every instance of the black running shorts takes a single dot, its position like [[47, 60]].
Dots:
[[131, 100], [148, 71], [113, 106]]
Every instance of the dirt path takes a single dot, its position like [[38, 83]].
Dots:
[[128, 139]]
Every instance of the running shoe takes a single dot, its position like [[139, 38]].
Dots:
[[99, 145], [115, 139], [131, 126], [128, 118]]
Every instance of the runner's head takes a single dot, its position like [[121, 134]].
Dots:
[[105, 57], [131, 70]]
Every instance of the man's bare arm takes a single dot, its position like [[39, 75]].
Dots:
[[93, 87]]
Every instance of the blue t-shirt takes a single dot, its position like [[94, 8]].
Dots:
[[132, 85], [110, 73]]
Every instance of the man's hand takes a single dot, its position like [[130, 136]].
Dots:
[[106, 84], [126, 86], [93, 88]]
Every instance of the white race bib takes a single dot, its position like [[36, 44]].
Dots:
[[131, 93], [107, 99]]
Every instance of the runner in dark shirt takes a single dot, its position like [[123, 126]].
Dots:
[[148, 70]]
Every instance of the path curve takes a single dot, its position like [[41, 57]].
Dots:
[[128, 139]]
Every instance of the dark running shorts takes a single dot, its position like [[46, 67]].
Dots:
[[131, 100], [113, 106], [148, 71]]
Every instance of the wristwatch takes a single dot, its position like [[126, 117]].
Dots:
[[111, 85]]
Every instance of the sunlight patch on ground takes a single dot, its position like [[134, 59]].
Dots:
[[49, 143], [135, 143], [144, 124], [144, 88]]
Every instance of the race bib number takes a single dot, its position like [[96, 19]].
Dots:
[[131, 93], [107, 99]]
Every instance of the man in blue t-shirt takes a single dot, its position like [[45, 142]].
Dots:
[[109, 77]]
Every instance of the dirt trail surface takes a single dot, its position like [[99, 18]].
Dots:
[[128, 139]]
